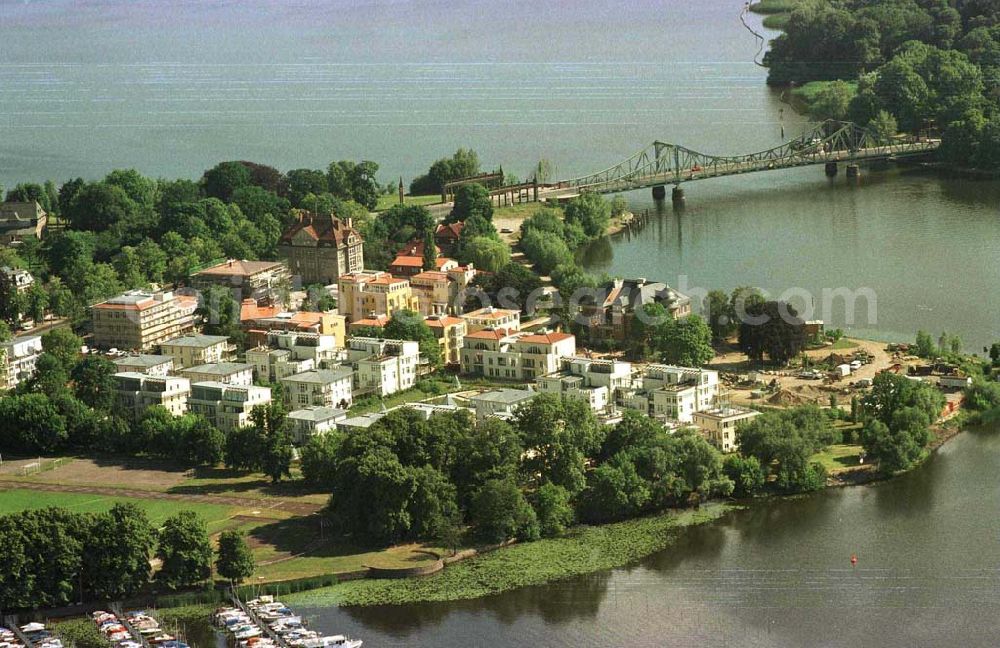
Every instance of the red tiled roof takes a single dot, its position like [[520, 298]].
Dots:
[[485, 313], [431, 275], [441, 322], [408, 261], [322, 229], [379, 321], [545, 338], [451, 231], [488, 334]]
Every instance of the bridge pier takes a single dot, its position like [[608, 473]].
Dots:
[[853, 171], [831, 169], [659, 192], [677, 195]]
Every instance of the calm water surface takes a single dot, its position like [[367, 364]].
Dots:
[[173, 87]]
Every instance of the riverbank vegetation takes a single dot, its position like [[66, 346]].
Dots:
[[583, 550], [926, 64]]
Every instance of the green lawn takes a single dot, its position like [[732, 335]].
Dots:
[[839, 456], [844, 343], [776, 21], [385, 201], [14, 500]]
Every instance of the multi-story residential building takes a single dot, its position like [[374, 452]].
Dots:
[[383, 367], [311, 421], [17, 359], [720, 425], [140, 320], [228, 407], [145, 363], [450, 333], [198, 349], [15, 280], [257, 321], [368, 294], [674, 393], [493, 318], [138, 391], [258, 280], [440, 291], [323, 387], [612, 315], [229, 373], [500, 403], [287, 353], [515, 356], [321, 248], [20, 221], [595, 381]]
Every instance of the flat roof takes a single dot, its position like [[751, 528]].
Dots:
[[504, 395], [197, 340], [219, 368]]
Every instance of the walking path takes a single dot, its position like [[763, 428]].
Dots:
[[298, 508]]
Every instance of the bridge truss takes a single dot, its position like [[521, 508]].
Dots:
[[663, 163]]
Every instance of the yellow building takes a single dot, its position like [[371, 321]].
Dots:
[[450, 332], [364, 295]]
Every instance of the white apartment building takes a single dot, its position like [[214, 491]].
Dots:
[[197, 349], [18, 362], [310, 421], [720, 425], [500, 403], [322, 387], [493, 318], [230, 373], [228, 407], [287, 353], [383, 367], [152, 365], [674, 393], [518, 356], [137, 391]]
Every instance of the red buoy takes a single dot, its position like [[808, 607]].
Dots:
[[854, 559]]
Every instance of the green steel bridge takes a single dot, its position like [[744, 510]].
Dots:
[[827, 143]]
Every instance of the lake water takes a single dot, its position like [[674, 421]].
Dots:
[[173, 87]]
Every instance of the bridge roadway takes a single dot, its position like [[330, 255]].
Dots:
[[734, 166]]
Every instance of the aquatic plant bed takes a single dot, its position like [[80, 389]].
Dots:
[[582, 551]]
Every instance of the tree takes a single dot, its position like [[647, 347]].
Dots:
[[184, 550], [746, 474], [408, 325], [686, 341], [116, 556], [430, 252], [222, 180], [94, 382], [305, 182], [773, 329], [553, 510], [891, 393], [557, 435], [717, 309], [137, 187], [884, 127], [270, 424], [98, 206], [615, 491], [499, 512], [234, 562], [471, 200], [545, 251], [463, 164], [789, 437], [485, 253], [318, 458], [925, 345], [832, 101], [591, 212], [30, 424]]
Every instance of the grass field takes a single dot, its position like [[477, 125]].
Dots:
[[839, 456], [14, 500], [385, 201], [844, 343]]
